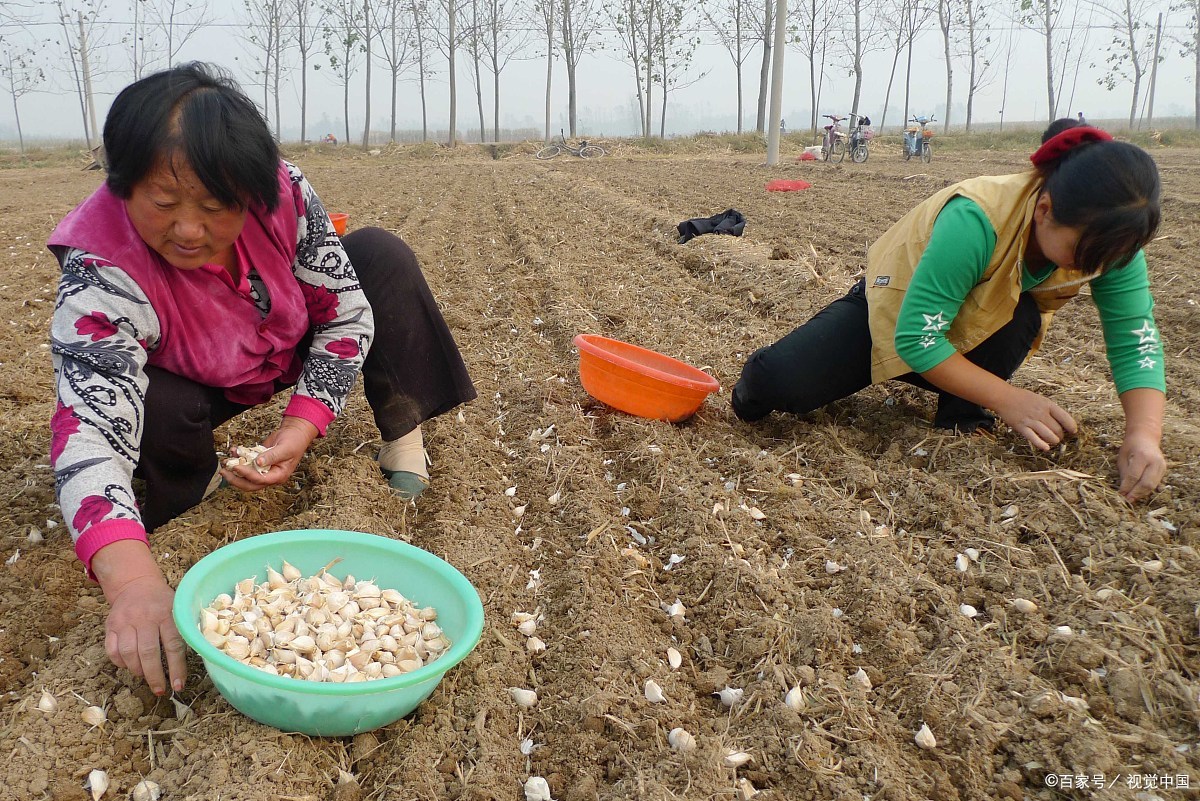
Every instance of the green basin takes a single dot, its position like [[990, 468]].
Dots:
[[325, 708]]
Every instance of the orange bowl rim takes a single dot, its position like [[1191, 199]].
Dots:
[[588, 343]]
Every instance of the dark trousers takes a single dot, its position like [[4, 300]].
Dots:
[[829, 358], [413, 372]]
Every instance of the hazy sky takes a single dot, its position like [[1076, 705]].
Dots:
[[607, 89]]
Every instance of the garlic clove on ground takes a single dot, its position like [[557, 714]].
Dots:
[[674, 658], [537, 789], [794, 700], [675, 611], [966, 610], [94, 716], [1061, 633], [924, 738], [745, 790], [730, 695], [523, 698], [961, 563], [681, 740], [654, 693], [146, 790], [1023, 605], [862, 679], [97, 784], [47, 703], [735, 759]]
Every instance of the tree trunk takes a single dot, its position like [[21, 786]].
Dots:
[[571, 111], [479, 94], [1051, 106], [887, 96], [303, 87], [944, 7], [549, 79], [1154, 71], [453, 138], [346, 106], [648, 123], [738, 70], [858, 71], [495, 81], [366, 137], [907, 86], [16, 113], [764, 71], [421, 85]]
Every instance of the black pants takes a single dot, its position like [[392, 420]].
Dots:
[[829, 358], [413, 372]]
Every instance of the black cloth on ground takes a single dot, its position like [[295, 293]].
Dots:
[[730, 221]]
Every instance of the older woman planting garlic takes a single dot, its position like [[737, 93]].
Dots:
[[201, 279]]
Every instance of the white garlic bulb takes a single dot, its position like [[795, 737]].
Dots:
[[676, 611], [47, 703], [537, 789], [730, 695], [146, 790], [94, 716], [97, 784], [681, 740], [674, 658], [1023, 605]]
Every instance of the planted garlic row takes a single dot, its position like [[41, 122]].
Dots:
[[323, 628]]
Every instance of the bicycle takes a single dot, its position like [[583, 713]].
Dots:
[[556, 148], [916, 138], [833, 144], [861, 134]]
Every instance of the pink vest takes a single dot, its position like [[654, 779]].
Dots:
[[209, 332]]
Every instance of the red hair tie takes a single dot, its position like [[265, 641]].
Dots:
[[1059, 145]]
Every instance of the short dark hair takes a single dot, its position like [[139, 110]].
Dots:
[[1058, 126], [1110, 190], [199, 112]]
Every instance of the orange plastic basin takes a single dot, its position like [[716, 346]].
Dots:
[[339, 221], [640, 381]]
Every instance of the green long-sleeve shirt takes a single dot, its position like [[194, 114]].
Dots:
[[959, 250]]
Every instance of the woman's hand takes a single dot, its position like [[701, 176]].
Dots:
[[1141, 465], [139, 630], [1140, 462], [1035, 417], [285, 447]]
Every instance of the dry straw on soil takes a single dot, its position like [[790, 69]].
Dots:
[[523, 255]]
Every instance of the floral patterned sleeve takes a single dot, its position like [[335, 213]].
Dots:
[[101, 332], [341, 318]]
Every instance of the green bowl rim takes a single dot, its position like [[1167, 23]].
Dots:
[[459, 649]]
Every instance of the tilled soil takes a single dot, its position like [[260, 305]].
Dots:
[[523, 255]]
